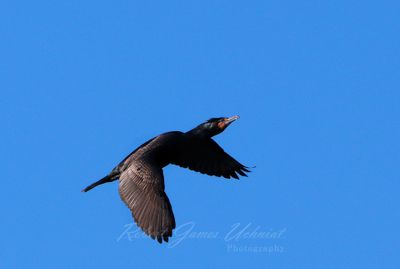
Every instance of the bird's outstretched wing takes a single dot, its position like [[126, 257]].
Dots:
[[141, 187], [204, 155]]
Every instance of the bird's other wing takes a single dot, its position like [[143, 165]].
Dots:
[[204, 155], [141, 187]]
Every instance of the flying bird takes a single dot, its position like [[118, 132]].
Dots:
[[141, 179]]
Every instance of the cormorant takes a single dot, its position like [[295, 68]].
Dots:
[[141, 179]]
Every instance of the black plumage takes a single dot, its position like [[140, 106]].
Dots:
[[141, 179]]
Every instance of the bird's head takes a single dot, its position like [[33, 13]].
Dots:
[[215, 126]]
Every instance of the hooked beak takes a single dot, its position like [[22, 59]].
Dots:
[[231, 119]]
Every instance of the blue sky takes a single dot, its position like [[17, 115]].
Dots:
[[316, 84]]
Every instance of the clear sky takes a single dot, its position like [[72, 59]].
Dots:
[[316, 84]]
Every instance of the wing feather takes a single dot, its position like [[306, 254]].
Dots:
[[141, 187], [204, 155]]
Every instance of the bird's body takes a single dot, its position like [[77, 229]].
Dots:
[[141, 179]]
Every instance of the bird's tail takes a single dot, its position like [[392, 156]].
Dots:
[[109, 178]]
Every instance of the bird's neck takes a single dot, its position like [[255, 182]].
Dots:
[[201, 131]]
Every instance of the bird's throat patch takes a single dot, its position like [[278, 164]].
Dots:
[[221, 125]]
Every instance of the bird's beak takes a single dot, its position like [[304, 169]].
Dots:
[[231, 119]]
